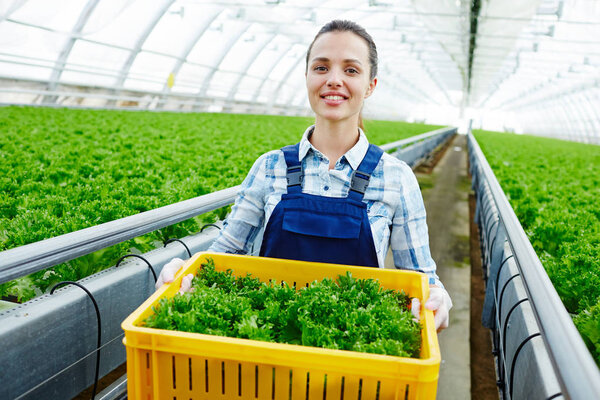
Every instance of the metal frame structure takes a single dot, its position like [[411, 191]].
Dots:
[[61, 328], [538, 350], [506, 71], [183, 100], [64, 54], [268, 74], [249, 63], [141, 40], [139, 43], [226, 48]]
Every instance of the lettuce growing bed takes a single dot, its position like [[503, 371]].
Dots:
[[172, 364], [553, 186]]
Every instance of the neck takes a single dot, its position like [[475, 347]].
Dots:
[[334, 139]]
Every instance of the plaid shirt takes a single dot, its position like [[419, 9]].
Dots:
[[394, 202]]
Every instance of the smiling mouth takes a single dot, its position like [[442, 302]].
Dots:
[[333, 97]]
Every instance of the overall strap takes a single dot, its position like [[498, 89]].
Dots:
[[294, 168], [362, 175]]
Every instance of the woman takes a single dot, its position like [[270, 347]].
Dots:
[[333, 197]]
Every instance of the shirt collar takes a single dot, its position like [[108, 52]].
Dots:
[[354, 156]]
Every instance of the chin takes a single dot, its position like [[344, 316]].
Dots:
[[332, 115], [332, 118]]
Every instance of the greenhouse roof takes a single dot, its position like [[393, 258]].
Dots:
[[528, 66]]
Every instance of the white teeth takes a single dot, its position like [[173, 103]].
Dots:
[[334, 97]]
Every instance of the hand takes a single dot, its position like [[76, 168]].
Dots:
[[439, 302], [167, 275]]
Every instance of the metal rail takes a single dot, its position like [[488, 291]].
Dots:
[[578, 374], [193, 100], [418, 138], [34, 257], [418, 147]]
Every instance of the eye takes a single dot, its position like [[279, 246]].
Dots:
[[320, 68], [352, 70]]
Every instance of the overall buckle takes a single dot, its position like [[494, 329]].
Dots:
[[359, 182], [294, 176]]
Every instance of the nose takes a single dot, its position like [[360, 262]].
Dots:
[[334, 79]]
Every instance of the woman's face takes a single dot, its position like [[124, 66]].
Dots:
[[337, 77]]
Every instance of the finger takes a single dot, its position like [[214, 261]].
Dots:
[[435, 301], [171, 269], [159, 282], [415, 308], [441, 318], [186, 283], [443, 325], [168, 272], [175, 263]]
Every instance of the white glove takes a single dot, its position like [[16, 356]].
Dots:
[[167, 275], [439, 302]]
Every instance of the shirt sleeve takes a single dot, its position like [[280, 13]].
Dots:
[[247, 214], [409, 237]]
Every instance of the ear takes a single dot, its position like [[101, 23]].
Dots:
[[371, 87]]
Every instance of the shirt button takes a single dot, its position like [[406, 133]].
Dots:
[[326, 188]]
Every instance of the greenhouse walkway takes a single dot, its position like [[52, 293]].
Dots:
[[446, 201]]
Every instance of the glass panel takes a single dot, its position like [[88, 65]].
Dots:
[[7, 8], [93, 64], [221, 83], [23, 47], [268, 57], [191, 76], [184, 89], [16, 71], [268, 88], [289, 61], [84, 77], [143, 84], [292, 85], [60, 16], [301, 100], [150, 71], [208, 49], [239, 56], [179, 25], [119, 22], [247, 88]]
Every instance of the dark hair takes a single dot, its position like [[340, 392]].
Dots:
[[349, 26]]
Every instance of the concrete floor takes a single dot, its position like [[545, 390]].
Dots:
[[447, 205], [445, 192]]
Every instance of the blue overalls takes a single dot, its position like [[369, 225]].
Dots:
[[309, 227]]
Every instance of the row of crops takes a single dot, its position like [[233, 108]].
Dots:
[[63, 170], [554, 187]]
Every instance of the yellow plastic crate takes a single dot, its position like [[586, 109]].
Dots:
[[164, 364]]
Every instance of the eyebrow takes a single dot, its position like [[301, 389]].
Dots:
[[325, 59]]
